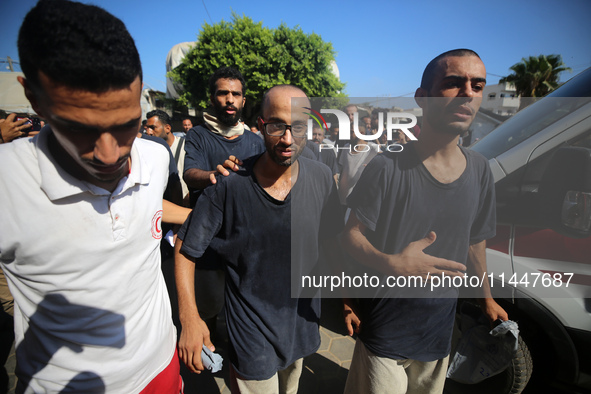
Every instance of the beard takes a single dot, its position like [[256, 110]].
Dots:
[[225, 118], [282, 161]]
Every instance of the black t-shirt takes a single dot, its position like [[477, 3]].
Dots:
[[400, 202], [205, 149], [259, 239]]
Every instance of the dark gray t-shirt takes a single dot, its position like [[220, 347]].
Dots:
[[205, 150], [400, 202], [258, 239]]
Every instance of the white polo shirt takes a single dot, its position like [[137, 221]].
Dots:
[[83, 264]]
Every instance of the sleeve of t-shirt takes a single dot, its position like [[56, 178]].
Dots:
[[173, 174], [258, 146], [484, 227], [368, 194], [204, 222], [195, 151]]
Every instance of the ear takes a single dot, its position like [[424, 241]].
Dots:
[[260, 124], [167, 128], [31, 96], [420, 95]]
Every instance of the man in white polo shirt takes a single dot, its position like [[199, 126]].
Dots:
[[81, 213]]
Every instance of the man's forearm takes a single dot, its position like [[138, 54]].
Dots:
[[184, 274], [477, 267], [173, 213], [197, 179], [358, 246]]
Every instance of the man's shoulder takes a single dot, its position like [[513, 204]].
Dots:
[[151, 145], [388, 159], [244, 173], [14, 149], [477, 161], [198, 132], [477, 157], [249, 135], [179, 142], [315, 169], [203, 133], [199, 129], [18, 160]]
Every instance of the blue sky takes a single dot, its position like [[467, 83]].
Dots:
[[381, 47]]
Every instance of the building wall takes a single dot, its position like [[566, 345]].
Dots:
[[501, 99]]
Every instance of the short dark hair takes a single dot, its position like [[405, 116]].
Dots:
[[186, 118], [78, 45], [162, 116], [427, 79], [226, 72]]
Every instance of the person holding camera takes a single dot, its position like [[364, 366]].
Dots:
[[11, 128]]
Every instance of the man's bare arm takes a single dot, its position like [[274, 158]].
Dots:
[[173, 213], [200, 179], [477, 267], [194, 331], [411, 261], [197, 179]]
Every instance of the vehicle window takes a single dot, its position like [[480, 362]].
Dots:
[[517, 195], [537, 116], [526, 123]]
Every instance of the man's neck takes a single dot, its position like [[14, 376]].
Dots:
[[436, 143], [170, 139], [440, 154], [277, 180], [213, 124]]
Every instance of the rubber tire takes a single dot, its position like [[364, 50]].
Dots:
[[513, 380]]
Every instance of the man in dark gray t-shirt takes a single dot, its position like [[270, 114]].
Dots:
[[424, 212], [261, 220]]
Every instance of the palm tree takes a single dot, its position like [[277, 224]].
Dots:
[[536, 76]]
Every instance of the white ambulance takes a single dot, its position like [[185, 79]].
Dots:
[[541, 255]]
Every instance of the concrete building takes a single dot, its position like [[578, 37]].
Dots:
[[501, 99]]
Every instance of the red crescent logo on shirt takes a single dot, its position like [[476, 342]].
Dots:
[[157, 225]]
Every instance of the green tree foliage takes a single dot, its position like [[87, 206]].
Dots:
[[536, 76], [266, 57]]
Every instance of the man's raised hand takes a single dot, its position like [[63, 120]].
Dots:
[[231, 163]]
